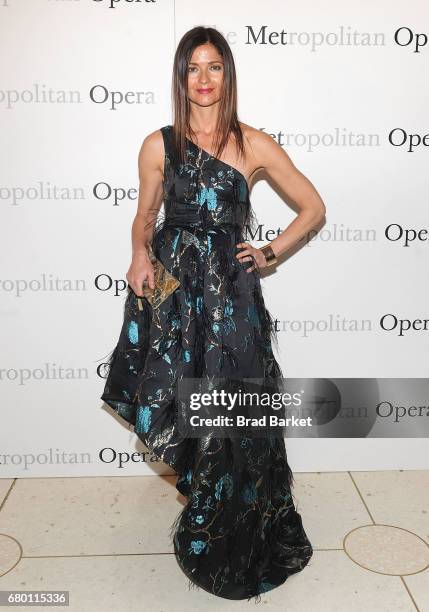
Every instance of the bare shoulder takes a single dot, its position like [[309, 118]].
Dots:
[[253, 135], [151, 154], [262, 146]]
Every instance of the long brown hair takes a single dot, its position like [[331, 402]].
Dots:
[[227, 122]]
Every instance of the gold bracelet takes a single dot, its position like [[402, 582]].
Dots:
[[268, 252]]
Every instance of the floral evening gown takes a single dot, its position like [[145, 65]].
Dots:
[[239, 534]]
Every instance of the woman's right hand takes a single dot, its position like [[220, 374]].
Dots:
[[141, 269]]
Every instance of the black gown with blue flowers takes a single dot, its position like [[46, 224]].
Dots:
[[239, 534]]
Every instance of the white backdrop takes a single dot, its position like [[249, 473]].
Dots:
[[344, 89]]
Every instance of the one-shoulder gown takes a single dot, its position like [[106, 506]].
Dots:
[[239, 534]]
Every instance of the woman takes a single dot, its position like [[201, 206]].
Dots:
[[239, 533]]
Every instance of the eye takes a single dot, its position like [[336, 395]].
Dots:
[[217, 66]]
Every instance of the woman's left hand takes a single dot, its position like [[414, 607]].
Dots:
[[250, 253]]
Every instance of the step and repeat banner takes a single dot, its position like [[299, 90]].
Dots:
[[341, 86]]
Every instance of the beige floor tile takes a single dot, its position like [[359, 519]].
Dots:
[[330, 507], [5, 484], [10, 553], [330, 583], [419, 588], [387, 549], [397, 498], [124, 515], [100, 515]]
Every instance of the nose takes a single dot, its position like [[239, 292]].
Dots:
[[204, 78]]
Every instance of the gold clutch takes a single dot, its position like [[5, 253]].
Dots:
[[165, 284]]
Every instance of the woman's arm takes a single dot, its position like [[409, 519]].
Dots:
[[279, 167], [151, 167]]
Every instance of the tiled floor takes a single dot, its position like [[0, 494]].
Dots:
[[106, 541]]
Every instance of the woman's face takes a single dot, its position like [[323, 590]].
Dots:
[[205, 75]]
